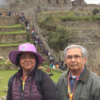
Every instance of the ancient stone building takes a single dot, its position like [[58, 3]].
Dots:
[[78, 3], [41, 3]]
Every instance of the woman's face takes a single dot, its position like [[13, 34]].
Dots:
[[27, 61]]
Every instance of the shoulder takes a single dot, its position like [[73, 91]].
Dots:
[[94, 80], [62, 77], [45, 75], [40, 73], [11, 79], [94, 77]]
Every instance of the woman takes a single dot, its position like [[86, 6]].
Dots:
[[24, 83]]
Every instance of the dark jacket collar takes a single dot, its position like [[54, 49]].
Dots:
[[85, 76]]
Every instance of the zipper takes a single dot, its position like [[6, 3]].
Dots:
[[22, 94]]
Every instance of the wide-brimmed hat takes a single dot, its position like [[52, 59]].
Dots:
[[26, 47]]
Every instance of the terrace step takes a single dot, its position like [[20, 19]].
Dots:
[[13, 38], [11, 29], [6, 48]]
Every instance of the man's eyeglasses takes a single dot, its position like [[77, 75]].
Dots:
[[76, 57]]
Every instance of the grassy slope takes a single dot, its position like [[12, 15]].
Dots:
[[6, 74]]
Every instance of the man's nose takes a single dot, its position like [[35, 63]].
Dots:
[[73, 59]]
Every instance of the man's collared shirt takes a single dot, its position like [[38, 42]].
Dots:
[[73, 80]]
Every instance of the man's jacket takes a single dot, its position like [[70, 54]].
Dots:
[[87, 87]]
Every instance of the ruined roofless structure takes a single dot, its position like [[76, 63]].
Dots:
[[52, 3]]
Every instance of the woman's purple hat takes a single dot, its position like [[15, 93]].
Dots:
[[26, 47]]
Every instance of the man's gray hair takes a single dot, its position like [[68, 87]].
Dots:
[[83, 50]]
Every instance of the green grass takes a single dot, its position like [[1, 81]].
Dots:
[[13, 44], [4, 81], [15, 32], [56, 76], [12, 26], [6, 74]]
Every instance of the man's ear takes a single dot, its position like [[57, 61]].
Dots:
[[65, 60], [85, 59]]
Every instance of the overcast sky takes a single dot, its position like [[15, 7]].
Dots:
[[92, 1]]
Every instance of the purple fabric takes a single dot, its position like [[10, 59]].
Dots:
[[26, 47], [48, 88], [27, 95]]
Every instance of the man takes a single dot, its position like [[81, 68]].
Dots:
[[78, 83]]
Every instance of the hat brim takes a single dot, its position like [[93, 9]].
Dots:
[[13, 54]]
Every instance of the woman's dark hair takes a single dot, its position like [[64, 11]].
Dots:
[[17, 62]]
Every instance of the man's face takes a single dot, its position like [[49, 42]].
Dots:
[[74, 59]]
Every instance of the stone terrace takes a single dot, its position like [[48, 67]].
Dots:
[[11, 35]]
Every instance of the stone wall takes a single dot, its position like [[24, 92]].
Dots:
[[39, 3], [13, 38], [8, 67], [4, 50], [82, 24], [78, 3], [5, 9], [11, 29], [87, 34], [7, 21]]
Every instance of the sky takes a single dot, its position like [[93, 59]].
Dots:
[[92, 1]]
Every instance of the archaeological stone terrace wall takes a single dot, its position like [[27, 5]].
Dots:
[[8, 67], [8, 21], [13, 38], [39, 3], [11, 29], [4, 50], [31, 7], [5, 9]]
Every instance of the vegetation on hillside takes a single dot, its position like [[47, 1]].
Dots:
[[73, 17], [57, 35], [95, 11]]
